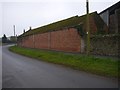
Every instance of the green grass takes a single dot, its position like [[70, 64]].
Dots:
[[99, 66]]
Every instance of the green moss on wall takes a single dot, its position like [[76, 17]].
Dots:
[[70, 22], [105, 45]]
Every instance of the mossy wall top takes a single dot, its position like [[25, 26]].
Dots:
[[67, 23]]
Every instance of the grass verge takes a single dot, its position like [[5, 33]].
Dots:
[[99, 66]]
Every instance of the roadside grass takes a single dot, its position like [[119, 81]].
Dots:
[[0, 43], [100, 66]]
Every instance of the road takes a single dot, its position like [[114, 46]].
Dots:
[[24, 72]]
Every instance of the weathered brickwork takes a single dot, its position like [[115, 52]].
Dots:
[[41, 40], [28, 41], [65, 40], [62, 40], [113, 23], [92, 25], [66, 35], [105, 45]]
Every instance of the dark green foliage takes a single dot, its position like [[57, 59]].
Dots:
[[80, 30], [4, 39], [105, 44]]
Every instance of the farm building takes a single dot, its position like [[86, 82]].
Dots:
[[67, 35], [111, 17]]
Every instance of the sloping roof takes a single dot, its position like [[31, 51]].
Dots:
[[70, 22], [54, 26], [112, 8]]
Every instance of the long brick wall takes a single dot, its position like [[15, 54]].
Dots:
[[41, 41], [62, 40], [65, 40]]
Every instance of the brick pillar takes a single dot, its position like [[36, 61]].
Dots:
[[49, 40], [33, 41], [82, 45]]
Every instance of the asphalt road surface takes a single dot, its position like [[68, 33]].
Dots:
[[24, 72]]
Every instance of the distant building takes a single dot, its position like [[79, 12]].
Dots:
[[13, 39], [111, 17]]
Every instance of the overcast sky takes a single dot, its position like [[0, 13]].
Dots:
[[36, 13]]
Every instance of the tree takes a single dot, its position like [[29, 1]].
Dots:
[[4, 39]]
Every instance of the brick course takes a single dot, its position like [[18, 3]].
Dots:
[[61, 40], [41, 41], [65, 40]]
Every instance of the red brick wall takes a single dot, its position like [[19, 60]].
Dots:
[[65, 40], [112, 23], [41, 40], [93, 28], [28, 41], [62, 40]]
